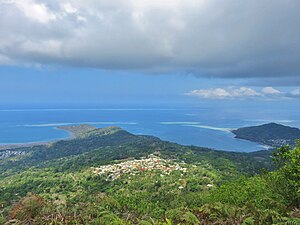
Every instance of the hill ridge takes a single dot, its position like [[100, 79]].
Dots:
[[272, 134]]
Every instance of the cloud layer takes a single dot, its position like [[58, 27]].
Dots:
[[229, 38], [243, 93]]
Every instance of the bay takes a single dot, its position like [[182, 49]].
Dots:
[[206, 127]]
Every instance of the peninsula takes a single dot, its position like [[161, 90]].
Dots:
[[271, 134]]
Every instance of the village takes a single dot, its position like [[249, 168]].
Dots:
[[137, 166], [10, 153]]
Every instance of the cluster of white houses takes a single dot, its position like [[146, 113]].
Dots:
[[10, 153], [136, 166]]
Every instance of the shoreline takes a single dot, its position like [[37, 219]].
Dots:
[[9, 146], [75, 131]]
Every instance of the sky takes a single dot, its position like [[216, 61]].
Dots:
[[179, 52]]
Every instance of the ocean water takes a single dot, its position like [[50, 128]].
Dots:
[[207, 127]]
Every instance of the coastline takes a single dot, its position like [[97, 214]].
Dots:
[[71, 135], [75, 131]]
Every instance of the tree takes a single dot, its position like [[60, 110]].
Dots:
[[288, 163]]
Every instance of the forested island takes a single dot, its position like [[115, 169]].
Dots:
[[110, 176], [271, 134]]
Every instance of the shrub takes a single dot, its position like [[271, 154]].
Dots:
[[27, 209]]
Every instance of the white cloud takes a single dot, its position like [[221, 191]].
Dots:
[[222, 93], [228, 38], [35, 11], [243, 92], [270, 91], [69, 8], [267, 93], [210, 93]]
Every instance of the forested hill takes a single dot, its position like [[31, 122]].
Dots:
[[110, 176], [271, 134], [92, 146]]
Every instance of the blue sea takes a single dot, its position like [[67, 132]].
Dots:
[[200, 126]]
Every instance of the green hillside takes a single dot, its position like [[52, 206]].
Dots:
[[271, 134], [110, 176]]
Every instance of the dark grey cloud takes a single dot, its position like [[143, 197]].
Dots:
[[229, 38], [273, 81]]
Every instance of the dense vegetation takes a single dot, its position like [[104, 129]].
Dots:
[[271, 134], [56, 185]]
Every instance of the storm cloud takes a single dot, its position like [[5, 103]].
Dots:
[[228, 38]]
